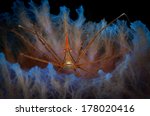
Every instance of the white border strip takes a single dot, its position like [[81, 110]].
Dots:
[[139, 107]]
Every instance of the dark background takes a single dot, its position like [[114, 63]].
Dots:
[[95, 10]]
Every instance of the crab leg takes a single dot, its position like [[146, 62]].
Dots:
[[44, 42], [28, 43], [83, 51], [86, 71], [98, 60], [37, 59]]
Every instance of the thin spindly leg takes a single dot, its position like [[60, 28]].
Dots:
[[44, 42], [98, 60], [83, 51], [37, 59], [59, 70], [48, 47], [86, 71], [28, 43]]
